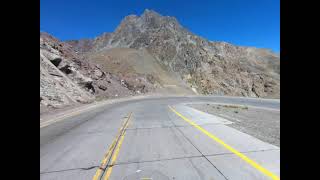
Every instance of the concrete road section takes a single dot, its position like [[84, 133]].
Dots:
[[164, 139]]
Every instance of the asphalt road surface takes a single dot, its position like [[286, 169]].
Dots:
[[155, 139]]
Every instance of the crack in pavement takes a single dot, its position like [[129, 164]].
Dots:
[[73, 169], [163, 127], [94, 132], [157, 160], [179, 130], [170, 126], [253, 151]]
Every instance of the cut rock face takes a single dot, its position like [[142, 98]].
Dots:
[[57, 90], [68, 79]]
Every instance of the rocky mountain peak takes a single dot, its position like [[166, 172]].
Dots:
[[149, 20], [148, 14], [209, 67]]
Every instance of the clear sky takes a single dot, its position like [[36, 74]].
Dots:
[[240, 22]]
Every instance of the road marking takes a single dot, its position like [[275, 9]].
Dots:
[[242, 156], [105, 159], [62, 117], [114, 157], [102, 167]]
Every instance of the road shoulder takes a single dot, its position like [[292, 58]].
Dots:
[[264, 124]]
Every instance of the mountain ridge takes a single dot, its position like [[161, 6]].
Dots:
[[189, 55]]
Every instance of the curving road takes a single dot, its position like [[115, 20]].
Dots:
[[155, 138]]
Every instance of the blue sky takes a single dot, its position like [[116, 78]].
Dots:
[[240, 22]]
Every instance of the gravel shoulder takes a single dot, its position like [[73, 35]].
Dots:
[[263, 124]]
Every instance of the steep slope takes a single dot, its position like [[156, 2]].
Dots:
[[68, 79], [138, 65], [210, 67]]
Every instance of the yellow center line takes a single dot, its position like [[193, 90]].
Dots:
[[239, 154], [114, 157], [109, 152]]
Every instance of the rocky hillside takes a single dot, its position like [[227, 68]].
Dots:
[[134, 66], [68, 79], [208, 67]]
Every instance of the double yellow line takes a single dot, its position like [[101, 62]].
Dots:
[[112, 152], [239, 154]]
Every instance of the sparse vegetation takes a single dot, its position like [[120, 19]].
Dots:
[[236, 107]]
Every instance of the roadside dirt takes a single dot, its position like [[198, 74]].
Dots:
[[263, 124]]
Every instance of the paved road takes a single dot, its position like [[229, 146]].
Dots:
[[163, 139]]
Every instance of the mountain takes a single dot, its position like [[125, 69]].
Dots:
[[207, 67], [151, 53]]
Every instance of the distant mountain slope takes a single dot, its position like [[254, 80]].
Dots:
[[132, 64], [209, 67]]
